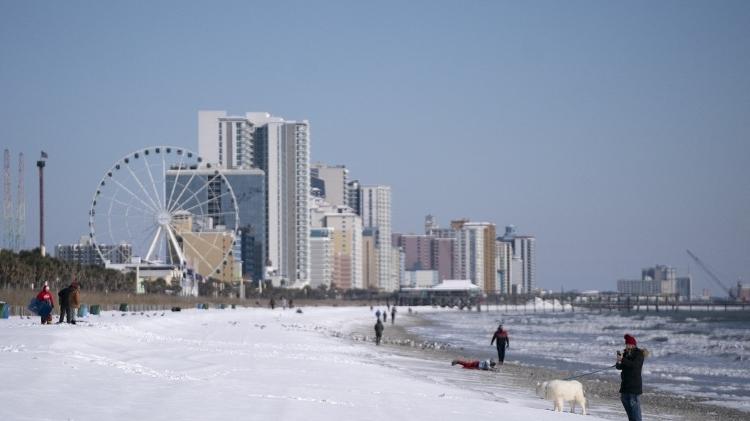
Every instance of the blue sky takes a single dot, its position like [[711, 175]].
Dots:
[[618, 134]]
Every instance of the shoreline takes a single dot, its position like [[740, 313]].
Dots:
[[599, 392]]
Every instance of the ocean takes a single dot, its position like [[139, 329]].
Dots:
[[698, 353]]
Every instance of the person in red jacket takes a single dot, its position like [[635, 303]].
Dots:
[[46, 296], [503, 342]]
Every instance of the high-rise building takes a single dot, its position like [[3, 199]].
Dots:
[[397, 266], [335, 183], [504, 267], [474, 258], [375, 209], [665, 276], [524, 249], [346, 249], [369, 259], [321, 257], [282, 151], [425, 252], [442, 257], [417, 249], [684, 287], [226, 141]]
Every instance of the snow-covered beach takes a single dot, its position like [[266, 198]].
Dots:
[[229, 364], [253, 364]]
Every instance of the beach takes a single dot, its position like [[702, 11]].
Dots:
[[317, 363], [602, 394], [244, 363]]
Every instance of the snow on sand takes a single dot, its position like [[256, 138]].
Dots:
[[231, 364]]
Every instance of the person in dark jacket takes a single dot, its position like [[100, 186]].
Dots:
[[64, 298], [503, 342], [378, 332], [630, 362]]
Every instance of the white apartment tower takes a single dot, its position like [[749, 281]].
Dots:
[[525, 249], [224, 140], [518, 272], [375, 209], [503, 264], [321, 257], [281, 149]]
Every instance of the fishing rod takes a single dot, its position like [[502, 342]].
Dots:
[[589, 373]]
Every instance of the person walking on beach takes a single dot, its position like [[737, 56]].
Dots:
[[503, 342], [475, 364], [630, 362], [385, 316], [64, 298], [45, 297], [377, 314], [272, 303], [74, 301], [393, 315], [378, 331]]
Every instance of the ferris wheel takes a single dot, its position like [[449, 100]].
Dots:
[[162, 205]]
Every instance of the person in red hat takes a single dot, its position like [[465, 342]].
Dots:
[[630, 362]]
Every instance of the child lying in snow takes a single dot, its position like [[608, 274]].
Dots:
[[475, 364]]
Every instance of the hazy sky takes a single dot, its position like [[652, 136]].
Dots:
[[618, 134]]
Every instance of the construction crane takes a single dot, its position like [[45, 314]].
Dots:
[[730, 292]]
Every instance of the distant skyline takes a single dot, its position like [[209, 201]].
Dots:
[[617, 134]]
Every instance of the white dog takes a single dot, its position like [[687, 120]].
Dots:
[[559, 391]]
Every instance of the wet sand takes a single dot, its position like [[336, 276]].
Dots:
[[599, 392]]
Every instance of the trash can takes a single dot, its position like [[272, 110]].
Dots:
[[83, 310], [222, 306], [124, 307], [95, 309], [234, 306], [4, 310]]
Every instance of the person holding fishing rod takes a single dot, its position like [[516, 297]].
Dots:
[[630, 362]]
